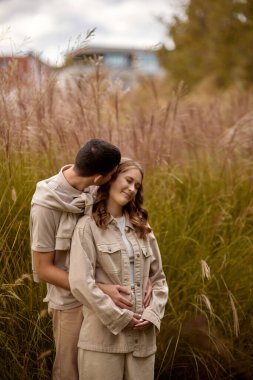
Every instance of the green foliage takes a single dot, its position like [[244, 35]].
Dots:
[[202, 216], [198, 190], [25, 338], [214, 39]]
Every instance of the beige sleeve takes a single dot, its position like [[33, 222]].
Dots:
[[43, 226], [155, 311]]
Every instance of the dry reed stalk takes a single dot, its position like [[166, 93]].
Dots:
[[205, 269], [203, 299], [44, 354], [63, 112], [234, 310]]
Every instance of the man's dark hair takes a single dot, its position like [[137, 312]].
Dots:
[[96, 157]]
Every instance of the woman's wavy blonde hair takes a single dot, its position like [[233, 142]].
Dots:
[[137, 214]]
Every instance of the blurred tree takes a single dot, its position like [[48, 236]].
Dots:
[[215, 38]]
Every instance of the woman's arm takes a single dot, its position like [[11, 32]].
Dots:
[[155, 311], [82, 280]]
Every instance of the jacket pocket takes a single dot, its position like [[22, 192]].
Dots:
[[109, 257], [146, 252]]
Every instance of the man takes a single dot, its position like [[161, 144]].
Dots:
[[57, 204]]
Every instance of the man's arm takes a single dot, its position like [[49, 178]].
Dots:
[[42, 219], [47, 271], [116, 292]]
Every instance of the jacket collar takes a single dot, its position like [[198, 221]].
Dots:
[[128, 222]]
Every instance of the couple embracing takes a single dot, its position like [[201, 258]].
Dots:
[[93, 246]]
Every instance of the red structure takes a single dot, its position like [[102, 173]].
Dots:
[[26, 69]]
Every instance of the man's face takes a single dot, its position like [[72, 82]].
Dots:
[[107, 177]]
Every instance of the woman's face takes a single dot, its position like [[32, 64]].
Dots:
[[125, 187]]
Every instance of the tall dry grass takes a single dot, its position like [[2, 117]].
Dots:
[[149, 122], [203, 222], [198, 192]]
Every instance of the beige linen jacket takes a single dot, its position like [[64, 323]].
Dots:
[[99, 255]]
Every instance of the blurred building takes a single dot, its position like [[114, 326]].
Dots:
[[125, 64], [24, 69]]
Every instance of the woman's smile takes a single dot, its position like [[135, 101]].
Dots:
[[126, 195], [123, 190]]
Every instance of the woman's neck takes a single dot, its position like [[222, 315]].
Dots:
[[114, 209]]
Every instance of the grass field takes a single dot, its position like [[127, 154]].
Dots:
[[197, 152]]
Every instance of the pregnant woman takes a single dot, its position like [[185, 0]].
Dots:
[[116, 245]]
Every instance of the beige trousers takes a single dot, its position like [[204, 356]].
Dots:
[[66, 329], [94, 365]]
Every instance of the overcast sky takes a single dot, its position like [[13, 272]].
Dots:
[[51, 27]]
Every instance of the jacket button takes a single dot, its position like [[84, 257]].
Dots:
[[138, 255], [109, 249], [138, 284]]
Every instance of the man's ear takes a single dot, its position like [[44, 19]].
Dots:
[[97, 179]]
